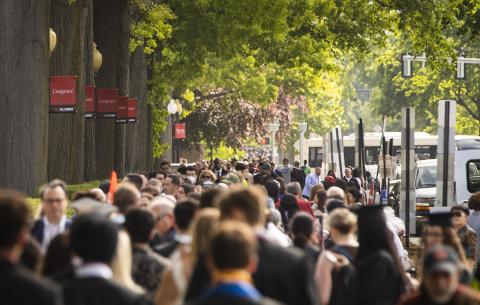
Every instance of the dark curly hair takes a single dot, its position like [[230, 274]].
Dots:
[[474, 201]]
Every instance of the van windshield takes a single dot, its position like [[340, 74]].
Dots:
[[426, 177]]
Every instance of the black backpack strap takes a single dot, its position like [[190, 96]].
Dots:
[[343, 251]]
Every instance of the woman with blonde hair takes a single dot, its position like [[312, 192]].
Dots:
[[188, 263], [206, 175], [122, 263], [333, 265]]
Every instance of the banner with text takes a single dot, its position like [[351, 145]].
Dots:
[[63, 94], [89, 102], [107, 103], [180, 131], [132, 109], [122, 114]]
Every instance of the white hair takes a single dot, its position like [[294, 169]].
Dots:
[[335, 191], [162, 204]]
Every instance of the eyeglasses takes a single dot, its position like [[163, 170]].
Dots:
[[50, 201]]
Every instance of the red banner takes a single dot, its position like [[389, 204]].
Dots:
[[63, 94], [89, 101], [132, 109], [107, 100], [122, 110], [180, 131]]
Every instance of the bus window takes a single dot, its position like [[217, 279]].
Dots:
[[349, 154], [315, 156], [371, 155], [473, 176], [424, 152]]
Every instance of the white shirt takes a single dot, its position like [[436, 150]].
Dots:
[[274, 235], [94, 270], [311, 180], [401, 253], [51, 230]]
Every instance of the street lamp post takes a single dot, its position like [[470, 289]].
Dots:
[[273, 128], [302, 128], [172, 109]]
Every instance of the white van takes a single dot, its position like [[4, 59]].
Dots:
[[466, 179]]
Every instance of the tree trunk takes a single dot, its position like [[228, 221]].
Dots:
[[111, 33], [136, 137], [90, 171], [24, 48], [66, 130], [149, 152]]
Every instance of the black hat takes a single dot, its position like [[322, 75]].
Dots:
[[370, 215], [441, 258], [94, 238], [443, 219], [369, 211]]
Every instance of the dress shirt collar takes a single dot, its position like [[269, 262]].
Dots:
[[61, 224], [183, 238], [100, 270]]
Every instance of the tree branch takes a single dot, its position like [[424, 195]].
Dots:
[[200, 97], [462, 103], [383, 4]]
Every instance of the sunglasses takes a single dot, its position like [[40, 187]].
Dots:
[[457, 214]]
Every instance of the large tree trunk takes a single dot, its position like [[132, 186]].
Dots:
[[136, 137], [66, 130], [149, 152], [24, 48], [111, 33], [90, 171]]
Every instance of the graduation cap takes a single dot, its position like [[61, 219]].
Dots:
[[443, 219], [369, 211], [370, 215]]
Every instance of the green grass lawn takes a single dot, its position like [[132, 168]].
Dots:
[[35, 203]]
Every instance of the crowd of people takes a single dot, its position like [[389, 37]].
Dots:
[[231, 232]]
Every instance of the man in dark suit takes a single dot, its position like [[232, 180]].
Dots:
[[282, 274], [93, 239], [17, 285], [234, 258], [351, 181], [54, 204]]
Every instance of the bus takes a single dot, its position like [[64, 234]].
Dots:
[[425, 146]]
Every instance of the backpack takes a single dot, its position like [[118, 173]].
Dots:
[[343, 280]]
